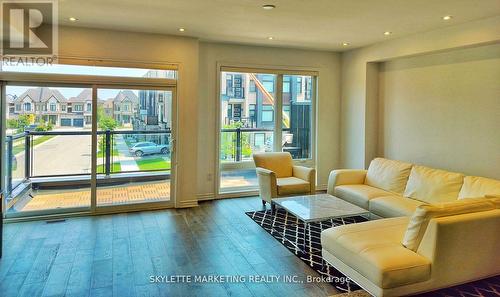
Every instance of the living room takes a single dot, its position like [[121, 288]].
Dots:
[[214, 87]]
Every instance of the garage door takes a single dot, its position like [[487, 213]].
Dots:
[[78, 122], [65, 122]]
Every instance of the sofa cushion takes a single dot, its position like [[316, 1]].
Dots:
[[279, 163], [359, 194], [374, 250], [389, 175], [495, 199], [433, 185], [394, 206], [424, 213], [292, 185], [475, 186]]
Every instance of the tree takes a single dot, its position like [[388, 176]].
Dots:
[[228, 142], [12, 123], [42, 126], [105, 122]]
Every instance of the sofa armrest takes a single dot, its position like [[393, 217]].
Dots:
[[268, 188], [307, 174], [455, 239], [345, 177]]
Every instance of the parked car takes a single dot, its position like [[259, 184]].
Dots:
[[30, 128], [146, 148]]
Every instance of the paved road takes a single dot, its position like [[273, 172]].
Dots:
[[69, 154]]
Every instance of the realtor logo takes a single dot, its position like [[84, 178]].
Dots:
[[29, 28]]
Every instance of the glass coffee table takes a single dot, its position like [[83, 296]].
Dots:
[[318, 208]]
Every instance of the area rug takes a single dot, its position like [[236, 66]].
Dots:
[[289, 231]]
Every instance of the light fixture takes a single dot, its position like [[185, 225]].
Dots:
[[72, 19], [387, 33], [268, 6], [345, 43], [270, 38], [182, 29], [447, 17]]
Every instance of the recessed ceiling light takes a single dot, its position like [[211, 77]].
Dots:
[[268, 6], [447, 17], [72, 19], [387, 33], [270, 38], [345, 43], [182, 29]]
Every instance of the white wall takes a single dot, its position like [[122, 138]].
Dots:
[[359, 113], [443, 110], [328, 104]]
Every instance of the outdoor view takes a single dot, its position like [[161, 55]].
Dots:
[[49, 146], [248, 122]]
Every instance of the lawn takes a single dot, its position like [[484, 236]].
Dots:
[[39, 140], [115, 167], [153, 164]]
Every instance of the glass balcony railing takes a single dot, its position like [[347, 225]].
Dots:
[[239, 144], [67, 155]]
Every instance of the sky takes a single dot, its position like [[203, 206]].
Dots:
[[75, 70]]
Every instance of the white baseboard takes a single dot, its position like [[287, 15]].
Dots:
[[322, 187], [187, 203], [205, 196]]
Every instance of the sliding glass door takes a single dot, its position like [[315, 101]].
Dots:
[[134, 146], [48, 148], [262, 112], [76, 142]]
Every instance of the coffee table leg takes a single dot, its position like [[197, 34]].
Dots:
[[273, 207]]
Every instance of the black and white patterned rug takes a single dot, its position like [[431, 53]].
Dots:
[[289, 230]]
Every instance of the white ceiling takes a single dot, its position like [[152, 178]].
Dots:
[[313, 24]]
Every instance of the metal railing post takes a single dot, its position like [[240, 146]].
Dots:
[[238, 144], [27, 154], [10, 156], [108, 152]]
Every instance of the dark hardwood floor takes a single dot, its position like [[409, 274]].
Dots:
[[115, 255]]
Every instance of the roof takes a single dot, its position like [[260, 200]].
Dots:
[[85, 95], [126, 94], [41, 95]]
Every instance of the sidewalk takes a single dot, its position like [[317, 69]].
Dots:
[[127, 162]]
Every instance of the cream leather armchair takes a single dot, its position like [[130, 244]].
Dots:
[[279, 177]]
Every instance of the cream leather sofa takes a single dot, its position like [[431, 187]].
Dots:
[[392, 188], [437, 232], [278, 177]]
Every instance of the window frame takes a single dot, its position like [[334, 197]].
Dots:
[[280, 71]]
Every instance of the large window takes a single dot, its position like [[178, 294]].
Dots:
[[83, 156], [251, 125], [297, 118]]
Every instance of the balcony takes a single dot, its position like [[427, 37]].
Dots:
[[237, 170], [52, 170]]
